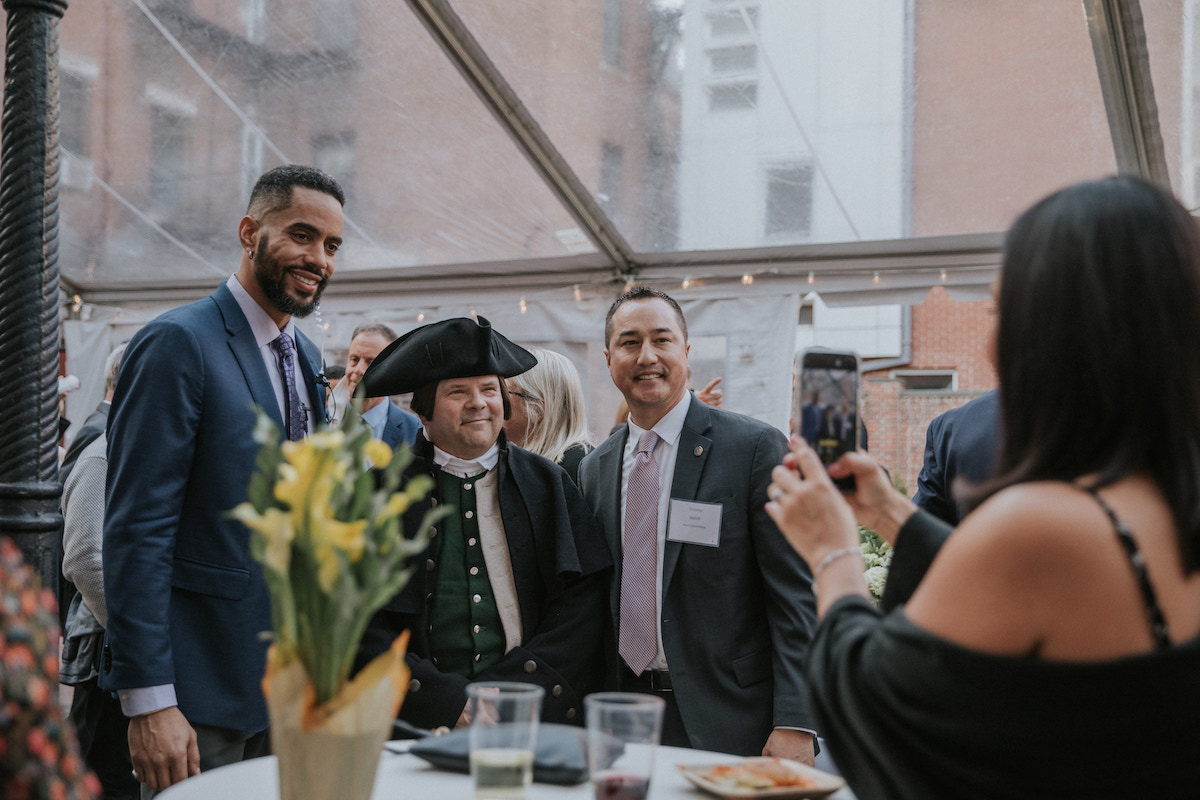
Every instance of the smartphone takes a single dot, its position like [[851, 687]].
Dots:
[[825, 409]]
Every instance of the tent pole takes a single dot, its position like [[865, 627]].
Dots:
[[1123, 65], [30, 491], [465, 52]]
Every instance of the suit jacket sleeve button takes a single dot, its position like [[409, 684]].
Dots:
[[556, 691], [530, 666], [414, 685], [570, 713]]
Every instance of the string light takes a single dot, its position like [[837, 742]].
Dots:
[[686, 283], [421, 317], [629, 283], [876, 277], [747, 279], [943, 276], [810, 278], [523, 305], [78, 304], [578, 294], [473, 314]]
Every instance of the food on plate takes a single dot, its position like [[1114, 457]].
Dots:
[[763, 773]]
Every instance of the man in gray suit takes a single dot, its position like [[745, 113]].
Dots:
[[387, 420], [712, 610]]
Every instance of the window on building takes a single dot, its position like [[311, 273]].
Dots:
[[727, 60], [168, 133], [612, 159], [806, 313], [788, 201], [336, 25], [252, 159], [334, 153], [730, 23], [926, 380], [732, 96], [74, 98], [254, 18], [614, 43]]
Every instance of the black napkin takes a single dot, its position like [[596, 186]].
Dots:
[[560, 755]]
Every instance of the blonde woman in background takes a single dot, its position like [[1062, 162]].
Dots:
[[548, 416]]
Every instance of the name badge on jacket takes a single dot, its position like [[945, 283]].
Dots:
[[694, 523]]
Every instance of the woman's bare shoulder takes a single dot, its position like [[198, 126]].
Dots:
[[1038, 515], [995, 579]]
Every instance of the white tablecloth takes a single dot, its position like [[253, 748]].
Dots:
[[401, 777]]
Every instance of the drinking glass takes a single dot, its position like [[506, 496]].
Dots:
[[504, 721], [616, 719]]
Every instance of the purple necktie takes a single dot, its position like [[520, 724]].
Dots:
[[295, 415], [638, 643]]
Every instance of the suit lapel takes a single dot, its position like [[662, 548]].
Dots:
[[246, 352], [609, 468], [690, 458]]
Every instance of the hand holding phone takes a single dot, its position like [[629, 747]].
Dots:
[[825, 406]]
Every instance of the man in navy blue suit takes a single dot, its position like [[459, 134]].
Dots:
[[186, 601], [390, 423], [958, 444]]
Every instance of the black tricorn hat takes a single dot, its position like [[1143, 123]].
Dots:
[[455, 348]]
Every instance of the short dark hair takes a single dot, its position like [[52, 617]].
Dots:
[[273, 190], [374, 327], [642, 293], [335, 372], [424, 397], [1096, 344]]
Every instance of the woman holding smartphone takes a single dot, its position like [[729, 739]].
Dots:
[[1050, 647]]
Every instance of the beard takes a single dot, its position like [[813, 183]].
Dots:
[[272, 276]]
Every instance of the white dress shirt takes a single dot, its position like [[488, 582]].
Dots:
[[265, 331]]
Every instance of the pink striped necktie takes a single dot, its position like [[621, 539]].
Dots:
[[638, 643]]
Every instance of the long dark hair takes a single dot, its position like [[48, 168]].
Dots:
[[1098, 344]]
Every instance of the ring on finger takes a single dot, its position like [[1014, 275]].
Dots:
[[775, 493]]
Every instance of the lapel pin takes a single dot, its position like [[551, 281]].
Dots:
[[699, 450]]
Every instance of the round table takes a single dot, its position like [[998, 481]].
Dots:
[[405, 776]]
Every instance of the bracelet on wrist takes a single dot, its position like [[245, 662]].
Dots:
[[834, 556]]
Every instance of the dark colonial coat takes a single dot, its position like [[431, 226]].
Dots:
[[561, 569]]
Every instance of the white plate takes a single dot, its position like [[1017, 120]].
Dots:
[[825, 783]]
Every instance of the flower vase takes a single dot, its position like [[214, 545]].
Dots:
[[333, 750]]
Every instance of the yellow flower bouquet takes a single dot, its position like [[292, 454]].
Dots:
[[325, 515]]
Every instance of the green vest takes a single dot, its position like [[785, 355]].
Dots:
[[466, 635]]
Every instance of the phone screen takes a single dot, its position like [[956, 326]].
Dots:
[[825, 405]]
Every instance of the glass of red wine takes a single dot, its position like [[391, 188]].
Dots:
[[623, 731]]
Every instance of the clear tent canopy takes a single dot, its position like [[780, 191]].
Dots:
[[546, 153]]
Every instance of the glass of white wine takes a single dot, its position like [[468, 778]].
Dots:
[[504, 721]]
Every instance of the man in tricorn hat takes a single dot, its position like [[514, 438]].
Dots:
[[514, 584]]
